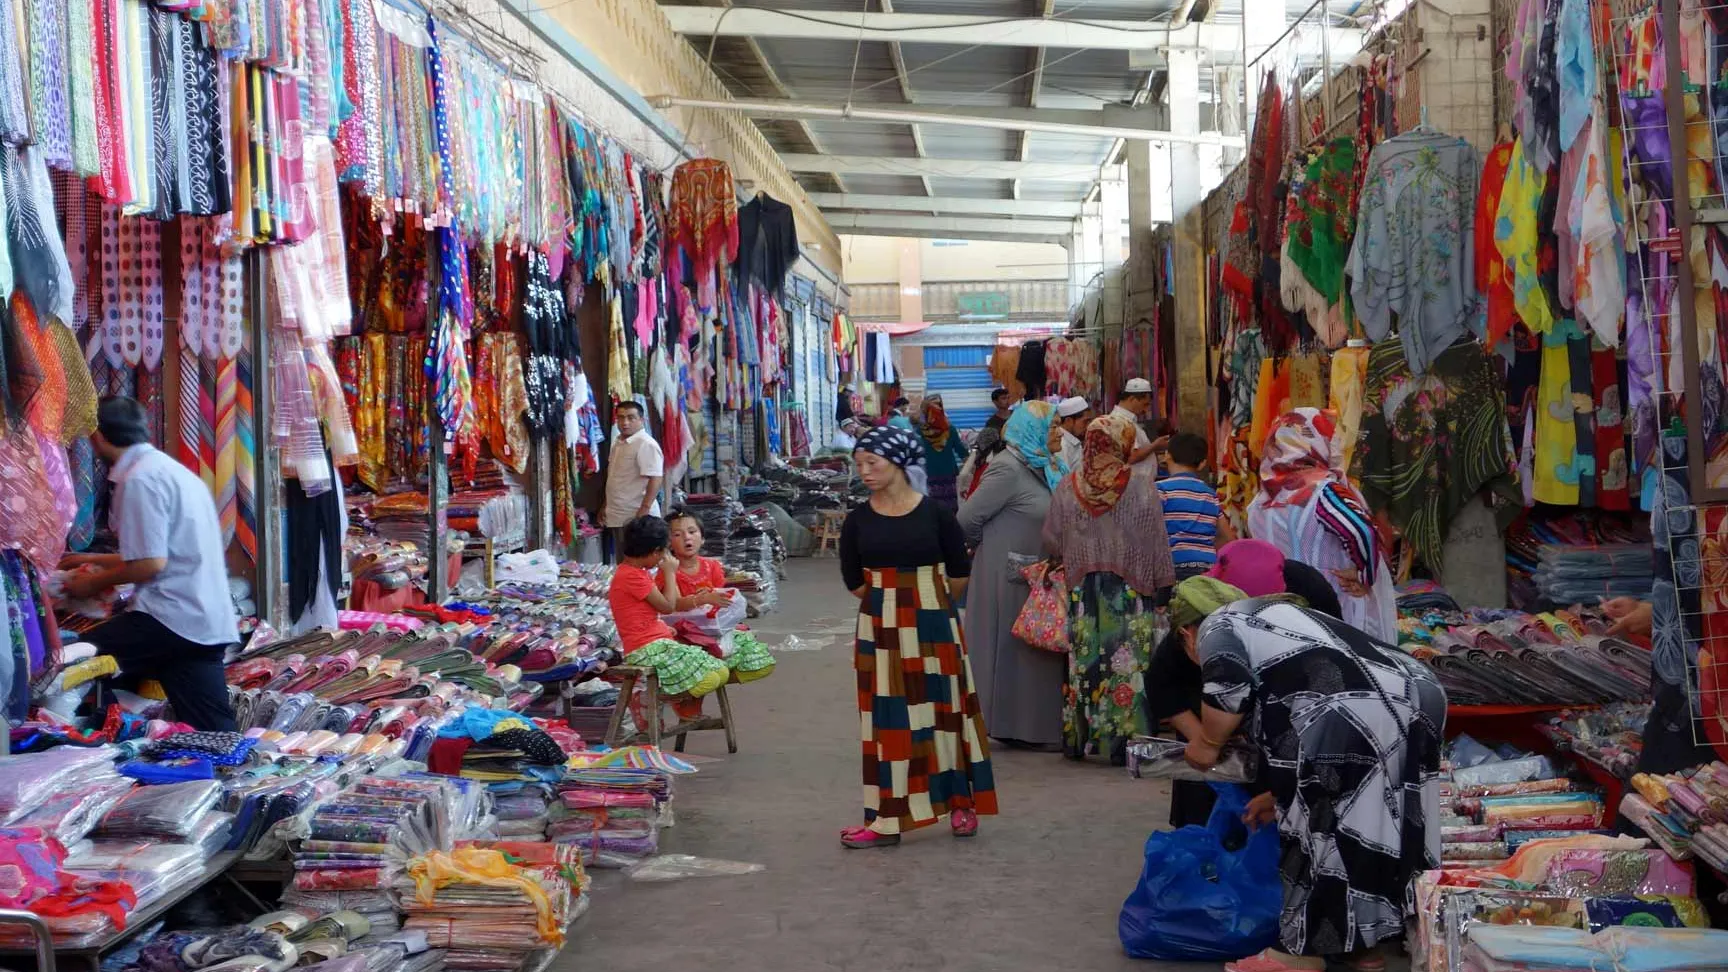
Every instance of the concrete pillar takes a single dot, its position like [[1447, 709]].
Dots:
[[1087, 252], [911, 281], [1187, 185], [1113, 210]]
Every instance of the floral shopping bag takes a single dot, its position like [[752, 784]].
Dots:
[[1043, 621]]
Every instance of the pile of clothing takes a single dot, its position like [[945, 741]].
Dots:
[[715, 512], [1495, 801], [752, 558], [489, 914], [1611, 737]]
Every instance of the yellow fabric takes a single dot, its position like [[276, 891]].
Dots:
[[1517, 236], [90, 668], [1555, 466], [1307, 388], [1349, 380], [1261, 422], [152, 689], [504, 725], [488, 867]]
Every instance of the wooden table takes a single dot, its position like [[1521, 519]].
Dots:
[[88, 958]]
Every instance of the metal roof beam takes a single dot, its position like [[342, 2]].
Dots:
[[829, 201], [1111, 121], [952, 227], [944, 168], [1046, 10], [903, 78], [1224, 40]]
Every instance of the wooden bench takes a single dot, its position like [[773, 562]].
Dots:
[[626, 677]]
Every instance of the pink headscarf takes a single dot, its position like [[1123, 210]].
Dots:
[[1254, 566]]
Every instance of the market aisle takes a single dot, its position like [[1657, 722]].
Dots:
[[1039, 888]]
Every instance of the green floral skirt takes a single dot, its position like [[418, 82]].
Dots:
[[1112, 630]]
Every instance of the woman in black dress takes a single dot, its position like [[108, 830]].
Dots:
[[904, 556]]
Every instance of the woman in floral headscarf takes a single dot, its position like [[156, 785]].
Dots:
[[1307, 508], [904, 557], [1019, 685], [943, 454], [1106, 525]]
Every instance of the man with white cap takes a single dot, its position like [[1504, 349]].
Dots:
[[1072, 416], [1133, 404]]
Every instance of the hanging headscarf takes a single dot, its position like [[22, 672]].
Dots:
[[1104, 470], [1298, 457], [898, 446], [936, 426], [1194, 600], [1027, 432]]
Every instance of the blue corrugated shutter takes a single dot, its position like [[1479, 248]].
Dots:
[[961, 375]]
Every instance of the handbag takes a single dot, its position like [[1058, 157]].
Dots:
[[1043, 619]]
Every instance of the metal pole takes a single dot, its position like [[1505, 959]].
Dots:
[[269, 510], [1325, 67], [437, 515]]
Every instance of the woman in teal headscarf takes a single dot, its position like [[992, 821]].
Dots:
[[1019, 687]]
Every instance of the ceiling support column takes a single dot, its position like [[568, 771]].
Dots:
[[1187, 189]]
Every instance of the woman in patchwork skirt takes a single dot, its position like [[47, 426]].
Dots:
[[925, 749]]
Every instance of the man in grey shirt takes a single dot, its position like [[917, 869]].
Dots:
[[180, 619]]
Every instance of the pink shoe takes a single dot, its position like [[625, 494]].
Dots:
[[964, 823], [1264, 962], [859, 838]]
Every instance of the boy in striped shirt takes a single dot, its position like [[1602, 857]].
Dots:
[[1191, 514]]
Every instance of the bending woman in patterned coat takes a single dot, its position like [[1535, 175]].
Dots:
[[1350, 732], [925, 751]]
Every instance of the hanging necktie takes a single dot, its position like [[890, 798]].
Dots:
[[192, 315]]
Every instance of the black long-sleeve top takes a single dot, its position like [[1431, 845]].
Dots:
[[925, 537]]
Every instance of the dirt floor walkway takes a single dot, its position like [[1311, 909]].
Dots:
[[1038, 889]]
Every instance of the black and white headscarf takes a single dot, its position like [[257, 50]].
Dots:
[[894, 444]]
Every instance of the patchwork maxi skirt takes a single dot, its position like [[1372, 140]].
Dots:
[[925, 749]]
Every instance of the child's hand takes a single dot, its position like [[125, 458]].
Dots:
[[715, 598], [669, 564]]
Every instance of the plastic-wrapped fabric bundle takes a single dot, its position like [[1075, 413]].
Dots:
[[27, 781], [170, 810], [1163, 759], [72, 813], [149, 866], [1573, 575]]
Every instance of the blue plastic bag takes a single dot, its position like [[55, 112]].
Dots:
[[1206, 894]]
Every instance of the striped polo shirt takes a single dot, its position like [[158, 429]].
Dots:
[[1191, 518]]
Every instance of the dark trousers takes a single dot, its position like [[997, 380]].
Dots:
[[190, 673]]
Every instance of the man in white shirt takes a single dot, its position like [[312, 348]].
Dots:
[[1134, 404], [1072, 416], [634, 470], [181, 618]]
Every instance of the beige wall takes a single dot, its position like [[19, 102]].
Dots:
[[877, 259]]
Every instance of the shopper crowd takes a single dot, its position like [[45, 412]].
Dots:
[[1106, 597]]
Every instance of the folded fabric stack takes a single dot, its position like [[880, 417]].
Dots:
[[1621, 949], [1495, 801], [1575, 575], [239, 948], [1419, 597], [490, 914], [715, 512], [170, 816], [361, 839], [1557, 658], [1583, 883], [611, 814], [1584, 529], [521, 809], [1685, 813]]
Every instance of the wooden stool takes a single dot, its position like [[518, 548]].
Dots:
[[627, 676], [828, 529]]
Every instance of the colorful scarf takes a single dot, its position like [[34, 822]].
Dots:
[[1196, 598], [1298, 457], [1027, 432], [936, 426], [1104, 470], [897, 445]]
